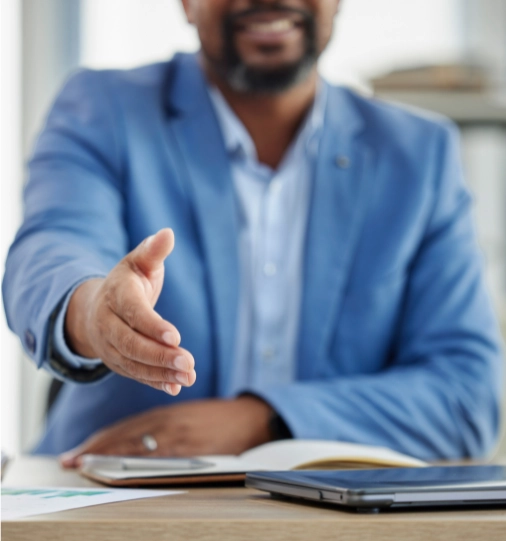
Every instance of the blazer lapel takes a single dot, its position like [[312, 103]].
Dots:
[[336, 211], [201, 145]]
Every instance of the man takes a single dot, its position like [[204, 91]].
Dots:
[[326, 279]]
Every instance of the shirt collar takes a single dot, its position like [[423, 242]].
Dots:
[[238, 142]]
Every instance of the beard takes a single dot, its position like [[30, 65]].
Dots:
[[244, 78]]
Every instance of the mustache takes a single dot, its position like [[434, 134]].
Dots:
[[234, 18]]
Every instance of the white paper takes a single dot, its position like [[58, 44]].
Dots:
[[26, 502]]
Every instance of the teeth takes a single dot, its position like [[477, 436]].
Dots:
[[280, 25]]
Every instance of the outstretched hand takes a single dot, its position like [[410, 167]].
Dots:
[[113, 319]]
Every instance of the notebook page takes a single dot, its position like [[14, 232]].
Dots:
[[288, 454]]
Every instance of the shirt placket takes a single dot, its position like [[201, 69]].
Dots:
[[273, 207], [269, 287]]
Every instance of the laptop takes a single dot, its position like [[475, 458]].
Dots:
[[389, 488]]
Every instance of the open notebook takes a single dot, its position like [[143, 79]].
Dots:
[[274, 456]]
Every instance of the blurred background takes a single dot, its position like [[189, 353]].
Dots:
[[444, 55]]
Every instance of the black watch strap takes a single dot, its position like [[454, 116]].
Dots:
[[278, 428], [61, 367]]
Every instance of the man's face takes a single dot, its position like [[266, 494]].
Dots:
[[262, 45]]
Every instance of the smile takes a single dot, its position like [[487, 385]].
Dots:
[[270, 27]]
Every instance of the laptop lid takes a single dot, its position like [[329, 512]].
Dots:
[[390, 487]]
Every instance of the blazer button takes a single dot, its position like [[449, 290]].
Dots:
[[343, 162], [30, 341]]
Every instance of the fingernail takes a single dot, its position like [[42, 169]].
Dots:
[[172, 388], [182, 378], [148, 240], [171, 338], [181, 363]]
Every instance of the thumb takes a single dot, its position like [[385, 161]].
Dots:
[[152, 252]]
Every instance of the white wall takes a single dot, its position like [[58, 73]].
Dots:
[[143, 31], [485, 31], [371, 35], [10, 211], [374, 36], [484, 153]]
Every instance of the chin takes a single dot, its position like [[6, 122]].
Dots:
[[269, 80]]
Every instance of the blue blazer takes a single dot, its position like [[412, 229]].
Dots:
[[398, 345]]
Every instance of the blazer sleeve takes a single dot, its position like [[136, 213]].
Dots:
[[73, 227], [440, 397]]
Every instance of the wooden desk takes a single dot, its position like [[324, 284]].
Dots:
[[220, 514]]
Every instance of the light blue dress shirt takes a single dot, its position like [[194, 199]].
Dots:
[[273, 208]]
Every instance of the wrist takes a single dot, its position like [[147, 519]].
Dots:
[[78, 319], [261, 413]]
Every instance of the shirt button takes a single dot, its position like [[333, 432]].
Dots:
[[268, 354], [30, 341], [270, 269]]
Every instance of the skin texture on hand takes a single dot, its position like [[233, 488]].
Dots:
[[113, 319], [205, 427]]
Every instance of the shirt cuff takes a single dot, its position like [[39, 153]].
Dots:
[[62, 363], [59, 342]]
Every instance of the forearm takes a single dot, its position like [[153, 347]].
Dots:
[[433, 410], [41, 269]]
